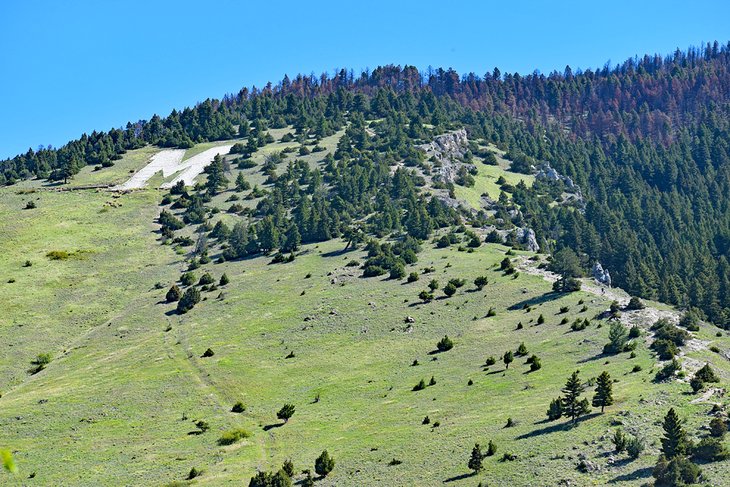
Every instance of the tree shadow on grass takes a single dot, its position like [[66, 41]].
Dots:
[[272, 426], [459, 477], [565, 426], [641, 473], [336, 253], [543, 298], [597, 356]]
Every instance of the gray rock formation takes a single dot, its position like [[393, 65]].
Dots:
[[601, 275], [526, 236], [573, 193], [447, 151]]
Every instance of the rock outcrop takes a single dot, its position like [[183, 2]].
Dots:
[[447, 152], [526, 236], [573, 193], [601, 275]]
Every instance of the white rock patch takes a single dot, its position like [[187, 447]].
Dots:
[[167, 161], [196, 164]]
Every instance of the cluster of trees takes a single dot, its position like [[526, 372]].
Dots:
[[323, 466], [571, 405]]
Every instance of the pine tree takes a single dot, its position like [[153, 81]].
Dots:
[[674, 441], [604, 394], [573, 406], [324, 464], [507, 358], [475, 460], [241, 183], [555, 411], [173, 294], [286, 412]]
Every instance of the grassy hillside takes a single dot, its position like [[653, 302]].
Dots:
[[119, 401]]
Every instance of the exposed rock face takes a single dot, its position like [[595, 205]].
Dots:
[[526, 236], [447, 150], [572, 193], [601, 275]]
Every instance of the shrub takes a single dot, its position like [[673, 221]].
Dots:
[[677, 471], [324, 464], [535, 363], [491, 312], [398, 271], [232, 436], [286, 412], [619, 441], [540, 319], [206, 279], [480, 282], [30, 205], [420, 386], [425, 296], [634, 447], [224, 280], [239, 407], [208, 353], [668, 371], [635, 303], [706, 374], [288, 467], [665, 349], [555, 411], [189, 299], [450, 289], [521, 350], [510, 423], [709, 450], [718, 428], [634, 332], [187, 279], [58, 255], [491, 361], [413, 277], [39, 362], [194, 472], [173, 294], [373, 271], [618, 339], [445, 344], [432, 382]]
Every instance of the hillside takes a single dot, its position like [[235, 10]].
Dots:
[[86, 272], [429, 279]]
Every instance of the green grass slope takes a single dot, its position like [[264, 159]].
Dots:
[[118, 403]]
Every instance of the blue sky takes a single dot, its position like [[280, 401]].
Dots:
[[72, 67]]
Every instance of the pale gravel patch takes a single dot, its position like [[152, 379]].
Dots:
[[196, 164], [167, 161]]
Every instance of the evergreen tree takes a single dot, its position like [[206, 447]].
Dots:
[[324, 464], [674, 442], [475, 460], [573, 405], [507, 358], [286, 412], [604, 394]]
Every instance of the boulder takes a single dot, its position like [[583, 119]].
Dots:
[[601, 275]]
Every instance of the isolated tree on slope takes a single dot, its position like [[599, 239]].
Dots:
[[573, 406], [604, 393]]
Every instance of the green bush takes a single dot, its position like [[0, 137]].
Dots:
[[324, 464], [445, 344], [232, 436]]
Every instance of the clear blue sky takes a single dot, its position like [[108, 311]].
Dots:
[[72, 67]]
